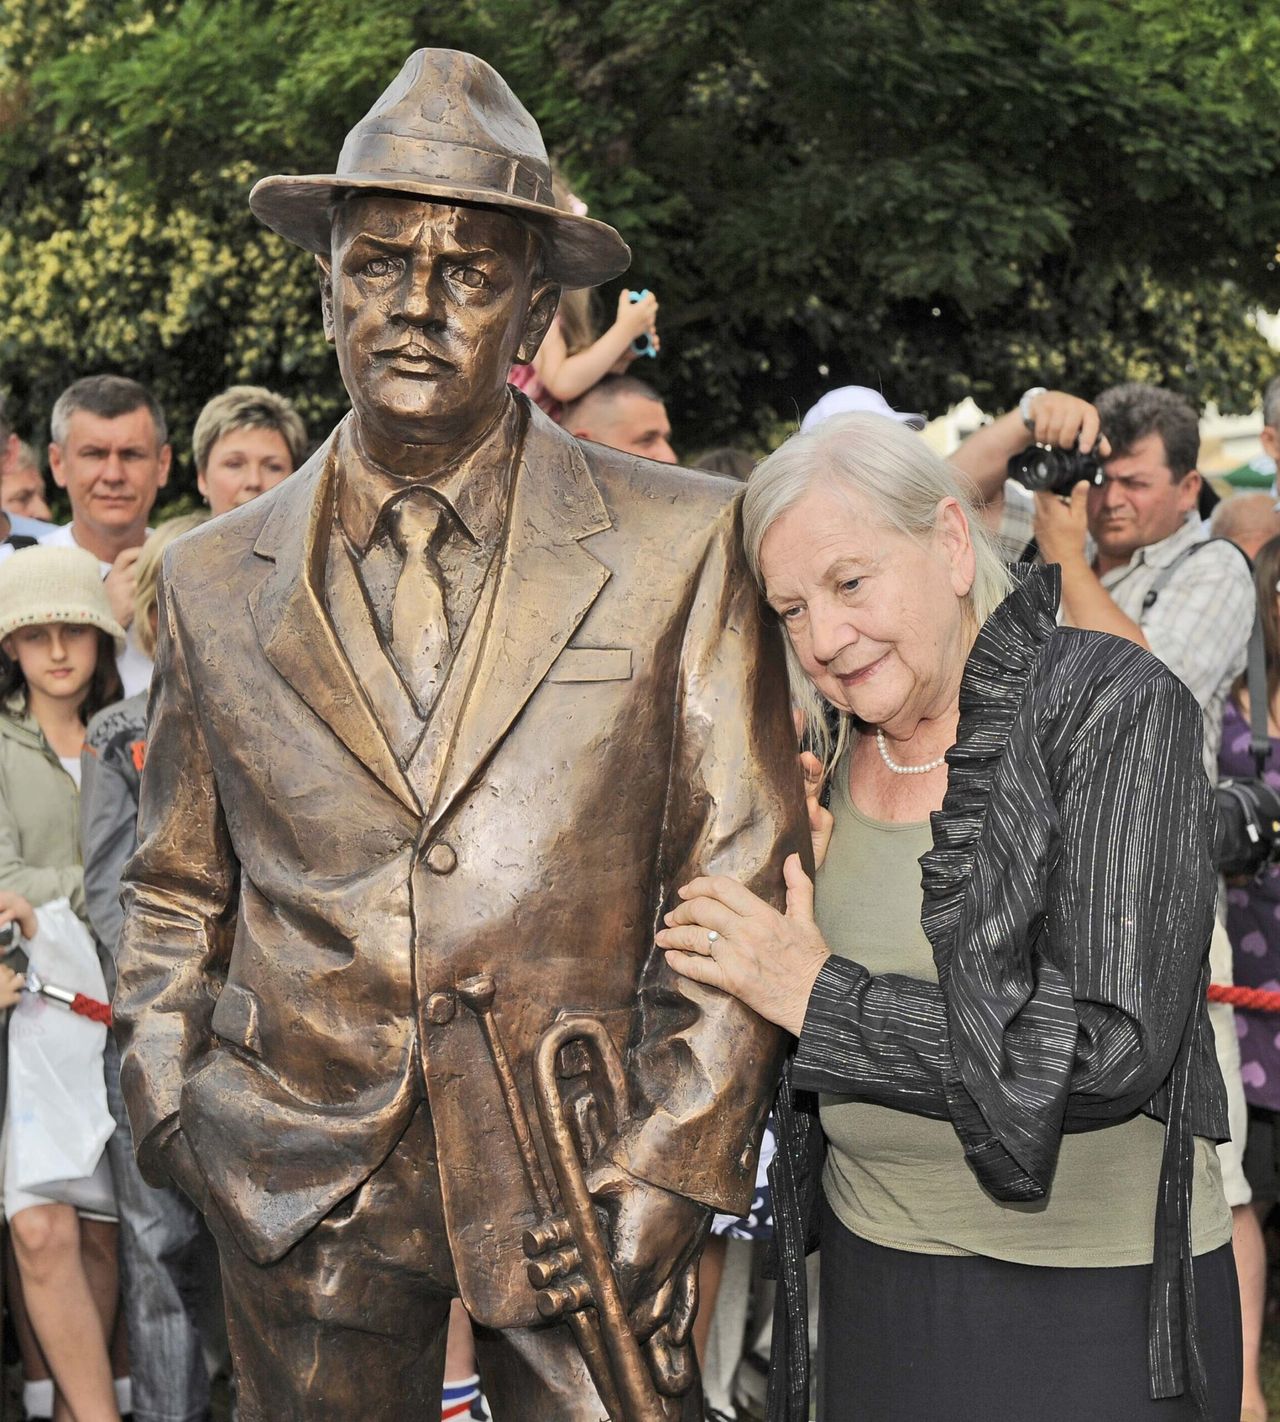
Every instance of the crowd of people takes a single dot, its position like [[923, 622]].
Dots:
[[1098, 831], [112, 1285]]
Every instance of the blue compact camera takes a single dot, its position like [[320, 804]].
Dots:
[[642, 345]]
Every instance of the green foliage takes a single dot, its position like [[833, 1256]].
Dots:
[[941, 197]]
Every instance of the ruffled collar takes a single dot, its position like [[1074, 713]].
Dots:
[[993, 687]]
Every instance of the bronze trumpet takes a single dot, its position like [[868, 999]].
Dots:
[[569, 1261]]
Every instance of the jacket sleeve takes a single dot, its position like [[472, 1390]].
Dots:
[[180, 893], [37, 884], [109, 834], [1101, 1008], [703, 1066]]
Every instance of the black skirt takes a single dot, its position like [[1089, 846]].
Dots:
[[942, 1338]]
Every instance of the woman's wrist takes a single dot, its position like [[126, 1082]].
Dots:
[[797, 1010]]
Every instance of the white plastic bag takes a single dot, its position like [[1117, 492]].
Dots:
[[58, 1121]]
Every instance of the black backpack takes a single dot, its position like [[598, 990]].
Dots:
[[1248, 808]]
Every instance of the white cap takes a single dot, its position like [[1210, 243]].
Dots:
[[856, 400]]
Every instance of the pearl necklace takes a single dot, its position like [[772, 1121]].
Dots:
[[905, 769]]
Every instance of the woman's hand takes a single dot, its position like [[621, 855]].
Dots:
[[14, 906], [821, 820], [721, 934], [11, 985]]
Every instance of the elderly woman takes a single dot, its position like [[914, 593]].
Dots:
[[246, 441], [1003, 1101]]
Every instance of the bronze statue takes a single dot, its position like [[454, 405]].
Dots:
[[440, 723]]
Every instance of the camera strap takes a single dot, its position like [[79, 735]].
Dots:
[[1256, 679], [1163, 576]]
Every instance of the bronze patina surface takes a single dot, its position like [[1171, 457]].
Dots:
[[439, 725]]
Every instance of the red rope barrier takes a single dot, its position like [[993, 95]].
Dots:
[[97, 1011], [1256, 999]]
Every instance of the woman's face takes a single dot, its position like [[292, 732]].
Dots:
[[57, 658], [876, 618], [243, 464]]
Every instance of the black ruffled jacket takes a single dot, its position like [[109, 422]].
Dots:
[[1069, 900]]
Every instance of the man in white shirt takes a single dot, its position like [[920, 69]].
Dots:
[[16, 530], [110, 452], [1129, 547], [22, 490]]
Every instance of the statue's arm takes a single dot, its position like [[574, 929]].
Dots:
[[703, 1066], [179, 897]]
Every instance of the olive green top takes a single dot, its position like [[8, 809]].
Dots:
[[900, 1180]]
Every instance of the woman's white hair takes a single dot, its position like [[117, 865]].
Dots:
[[894, 473]]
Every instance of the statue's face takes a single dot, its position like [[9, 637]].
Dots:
[[428, 306]]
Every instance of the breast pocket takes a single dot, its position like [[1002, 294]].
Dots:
[[591, 664]]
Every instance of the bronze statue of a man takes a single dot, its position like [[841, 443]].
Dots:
[[438, 726]]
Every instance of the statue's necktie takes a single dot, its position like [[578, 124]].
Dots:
[[420, 645]]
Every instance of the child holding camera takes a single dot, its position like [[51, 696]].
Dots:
[[574, 355], [572, 358]]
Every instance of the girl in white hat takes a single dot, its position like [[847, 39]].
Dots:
[[58, 641]]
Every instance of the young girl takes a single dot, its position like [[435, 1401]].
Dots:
[[573, 357], [59, 643]]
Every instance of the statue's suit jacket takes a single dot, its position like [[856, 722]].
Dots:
[[303, 905]]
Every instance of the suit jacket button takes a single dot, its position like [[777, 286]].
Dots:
[[440, 1008], [441, 858]]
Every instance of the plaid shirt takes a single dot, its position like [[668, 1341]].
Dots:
[[1017, 522], [1199, 622]]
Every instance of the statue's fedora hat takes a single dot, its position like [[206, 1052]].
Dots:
[[448, 128]]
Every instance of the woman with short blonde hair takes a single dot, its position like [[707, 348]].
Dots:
[[247, 440]]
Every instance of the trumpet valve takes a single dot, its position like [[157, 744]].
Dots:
[[478, 992], [541, 1238], [567, 1296], [549, 1267]]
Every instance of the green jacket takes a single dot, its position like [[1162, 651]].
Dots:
[[39, 815]]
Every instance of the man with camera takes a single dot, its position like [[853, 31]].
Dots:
[[1116, 497], [1124, 530]]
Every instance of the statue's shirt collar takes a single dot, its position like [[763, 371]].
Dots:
[[475, 486]]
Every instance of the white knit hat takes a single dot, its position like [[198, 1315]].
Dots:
[[55, 585]]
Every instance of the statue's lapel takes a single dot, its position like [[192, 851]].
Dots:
[[295, 630], [545, 583]]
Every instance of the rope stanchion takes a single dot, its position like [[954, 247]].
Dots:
[[76, 1002], [1255, 999]]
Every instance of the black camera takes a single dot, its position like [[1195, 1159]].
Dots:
[[1043, 468]]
